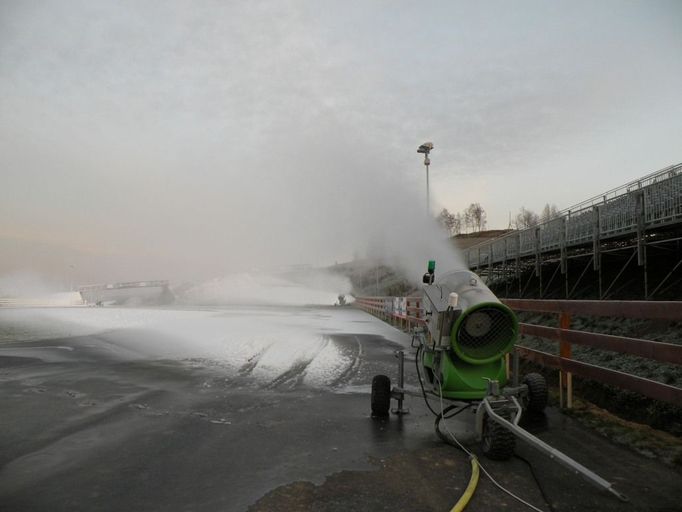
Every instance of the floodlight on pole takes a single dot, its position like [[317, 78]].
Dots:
[[426, 149]]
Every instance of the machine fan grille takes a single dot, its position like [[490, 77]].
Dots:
[[485, 333]]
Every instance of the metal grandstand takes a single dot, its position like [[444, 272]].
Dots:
[[640, 217]]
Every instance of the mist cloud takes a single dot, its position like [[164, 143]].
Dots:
[[188, 140]]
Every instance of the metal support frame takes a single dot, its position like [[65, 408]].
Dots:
[[615, 280], [664, 280], [538, 260], [486, 408], [575, 286], [636, 213], [534, 275], [551, 279], [530, 278], [641, 241], [596, 242]]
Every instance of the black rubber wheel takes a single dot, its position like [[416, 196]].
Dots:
[[536, 399], [381, 395], [497, 443]]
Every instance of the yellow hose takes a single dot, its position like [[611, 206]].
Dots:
[[469, 491]]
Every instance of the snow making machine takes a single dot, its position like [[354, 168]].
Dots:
[[460, 358]]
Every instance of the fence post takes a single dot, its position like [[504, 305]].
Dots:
[[565, 378]]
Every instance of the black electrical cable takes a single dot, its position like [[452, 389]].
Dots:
[[421, 382], [436, 426], [537, 481], [448, 416]]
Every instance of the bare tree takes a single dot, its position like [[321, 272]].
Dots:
[[457, 223], [477, 215], [549, 212], [468, 221], [447, 220], [526, 218]]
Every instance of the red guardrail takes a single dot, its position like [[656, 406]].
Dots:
[[654, 350], [671, 353], [408, 315]]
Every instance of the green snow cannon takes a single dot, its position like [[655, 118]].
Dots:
[[469, 333], [460, 355]]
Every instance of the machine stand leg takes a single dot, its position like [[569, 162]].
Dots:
[[400, 354]]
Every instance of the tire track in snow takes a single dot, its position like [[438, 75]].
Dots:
[[296, 372], [354, 366], [251, 363]]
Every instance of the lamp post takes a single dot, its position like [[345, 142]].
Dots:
[[426, 149]]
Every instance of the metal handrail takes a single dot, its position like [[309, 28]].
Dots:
[[616, 210]]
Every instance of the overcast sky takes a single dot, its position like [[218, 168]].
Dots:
[[280, 131]]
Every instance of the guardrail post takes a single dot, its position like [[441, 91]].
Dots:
[[565, 378]]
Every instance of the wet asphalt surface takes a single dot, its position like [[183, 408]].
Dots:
[[88, 425]]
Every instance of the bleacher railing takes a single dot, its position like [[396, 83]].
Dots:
[[656, 198]]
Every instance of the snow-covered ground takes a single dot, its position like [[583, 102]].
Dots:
[[265, 342]]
